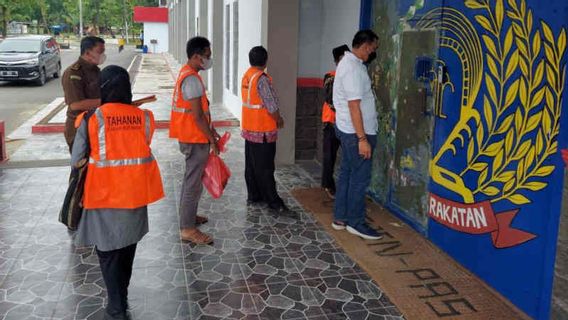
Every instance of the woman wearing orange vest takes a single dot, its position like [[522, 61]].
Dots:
[[190, 124], [260, 123], [330, 141], [122, 179]]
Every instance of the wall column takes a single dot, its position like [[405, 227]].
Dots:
[[282, 46], [201, 16], [215, 11]]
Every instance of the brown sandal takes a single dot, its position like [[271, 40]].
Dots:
[[201, 220], [195, 236]]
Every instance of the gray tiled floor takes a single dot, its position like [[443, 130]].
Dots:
[[261, 265]]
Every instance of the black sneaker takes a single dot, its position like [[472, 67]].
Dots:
[[251, 202], [118, 316]]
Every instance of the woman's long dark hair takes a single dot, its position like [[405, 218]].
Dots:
[[115, 85]]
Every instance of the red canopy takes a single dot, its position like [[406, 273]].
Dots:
[[150, 14]]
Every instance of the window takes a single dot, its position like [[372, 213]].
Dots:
[[227, 45], [21, 45], [235, 47]]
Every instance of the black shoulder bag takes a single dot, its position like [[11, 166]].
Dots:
[[72, 209]]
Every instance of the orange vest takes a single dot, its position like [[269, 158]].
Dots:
[[182, 123], [328, 114], [256, 117], [122, 171]]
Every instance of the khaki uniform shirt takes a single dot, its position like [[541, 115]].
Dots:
[[80, 81]]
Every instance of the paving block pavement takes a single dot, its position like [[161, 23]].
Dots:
[[261, 266]]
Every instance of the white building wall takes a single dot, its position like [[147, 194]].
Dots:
[[324, 25], [310, 38], [215, 35], [159, 32], [317, 27], [250, 35]]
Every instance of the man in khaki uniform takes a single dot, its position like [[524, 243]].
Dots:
[[81, 83]]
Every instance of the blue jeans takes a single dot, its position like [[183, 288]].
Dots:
[[353, 181]]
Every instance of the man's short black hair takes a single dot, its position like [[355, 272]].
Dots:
[[258, 56], [364, 36], [197, 45], [88, 43]]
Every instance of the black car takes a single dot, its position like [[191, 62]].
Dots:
[[30, 58]]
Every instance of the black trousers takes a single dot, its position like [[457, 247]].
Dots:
[[330, 146], [259, 173], [116, 266]]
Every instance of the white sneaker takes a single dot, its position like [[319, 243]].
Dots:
[[337, 226]]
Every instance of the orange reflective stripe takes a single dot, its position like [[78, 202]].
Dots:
[[251, 88], [121, 162], [101, 134], [181, 110], [147, 124], [253, 106]]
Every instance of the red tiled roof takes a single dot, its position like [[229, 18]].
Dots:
[[150, 14]]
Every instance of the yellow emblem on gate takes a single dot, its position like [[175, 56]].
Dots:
[[511, 132]]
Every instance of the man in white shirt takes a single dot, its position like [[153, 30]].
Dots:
[[356, 128]]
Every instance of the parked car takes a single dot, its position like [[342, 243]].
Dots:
[[30, 58]]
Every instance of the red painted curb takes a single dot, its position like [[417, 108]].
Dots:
[[48, 128], [226, 123], [310, 82], [160, 124], [3, 153]]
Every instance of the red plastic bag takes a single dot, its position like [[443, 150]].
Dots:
[[217, 173], [223, 141]]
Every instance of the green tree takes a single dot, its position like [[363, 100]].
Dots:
[[11, 8], [96, 13]]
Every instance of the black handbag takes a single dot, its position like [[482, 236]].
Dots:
[[72, 209]]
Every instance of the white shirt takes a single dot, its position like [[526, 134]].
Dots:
[[352, 82]]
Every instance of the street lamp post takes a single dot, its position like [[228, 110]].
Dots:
[[80, 19], [125, 19]]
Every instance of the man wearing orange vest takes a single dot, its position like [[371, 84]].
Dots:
[[190, 124], [260, 123], [330, 141]]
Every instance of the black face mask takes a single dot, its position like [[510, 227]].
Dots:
[[371, 57]]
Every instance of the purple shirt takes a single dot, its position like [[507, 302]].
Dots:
[[271, 103]]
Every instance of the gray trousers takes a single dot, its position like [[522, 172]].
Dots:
[[196, 155]]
